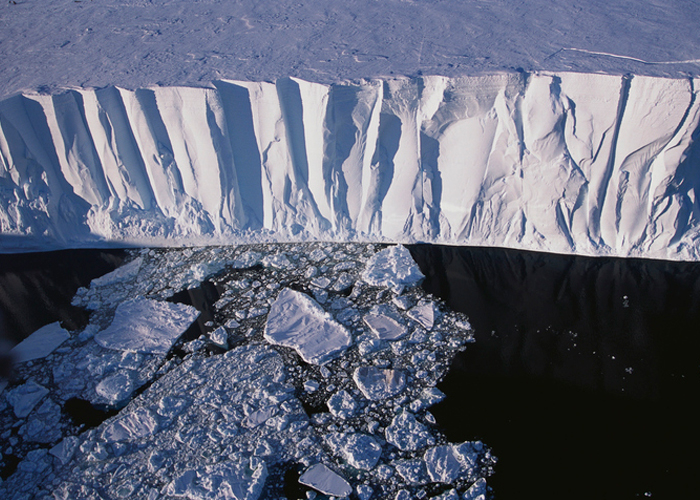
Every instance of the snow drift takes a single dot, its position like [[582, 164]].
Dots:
[[569, 163]]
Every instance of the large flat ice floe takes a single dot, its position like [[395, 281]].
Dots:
[[562, 162]]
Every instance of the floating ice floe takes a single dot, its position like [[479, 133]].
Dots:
[[379, 383], [424, 314], [448, 462], [384, 327], [392, 267], [40, 344], [295, 320], [323, 479], [24, 398], [146, 326], [406, 433]]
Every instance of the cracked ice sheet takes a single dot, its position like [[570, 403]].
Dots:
[[146, 326]]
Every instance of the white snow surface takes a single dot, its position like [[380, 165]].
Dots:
[[146, 326], [40, 344], [554, 161], [297, 321]]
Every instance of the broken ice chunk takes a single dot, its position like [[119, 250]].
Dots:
[[384, 327], [361, 451], [413, 471], [311, 386], [25, 397], [447, 462], [117, 387], [424, 314], [147, 326], [392, 267], [297, 321], [321, 478], [237, 479], [406, 433], [342, 405], [219, 337], [40, 344], [378, 383], [65, 449], [139, 423], [476, 491]]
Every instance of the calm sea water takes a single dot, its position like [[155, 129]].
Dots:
[[585, 372]]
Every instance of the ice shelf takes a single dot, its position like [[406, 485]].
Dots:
[[566, 162]]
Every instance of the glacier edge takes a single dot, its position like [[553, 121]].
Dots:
[[567, 163]]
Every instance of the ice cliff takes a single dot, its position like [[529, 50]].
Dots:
[[569, 163]]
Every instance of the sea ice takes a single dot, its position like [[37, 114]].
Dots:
[[116, 387], [424, 314], [297, 321], [236, 479], [361, 451], [476, 491], [392, 267], [447, 462], [135, 424], [406, 433], [384, 327], [40, 344], [323, 479], [146, 326], [25, 397], [342, 405], [378, 383]]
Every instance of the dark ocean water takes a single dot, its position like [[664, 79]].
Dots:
[[585, 372]]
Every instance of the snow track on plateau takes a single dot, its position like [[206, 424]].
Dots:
[[568, 163]]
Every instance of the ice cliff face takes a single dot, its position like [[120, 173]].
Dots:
[[570, 163]]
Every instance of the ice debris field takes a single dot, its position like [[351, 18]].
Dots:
[[313, 379]]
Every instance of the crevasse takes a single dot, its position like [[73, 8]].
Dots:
[[568, 163]]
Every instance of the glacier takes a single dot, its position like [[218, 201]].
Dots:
[[579, 163]]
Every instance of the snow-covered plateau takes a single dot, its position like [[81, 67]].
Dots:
[[562, 162]]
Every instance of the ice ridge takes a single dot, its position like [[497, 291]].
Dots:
[[568, 163]]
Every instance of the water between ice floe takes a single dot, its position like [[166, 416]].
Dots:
[[583, 377]]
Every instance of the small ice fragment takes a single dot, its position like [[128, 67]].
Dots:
[[323, 479], [423, 314], [364, 491], [297, 321], [116, 388], [232, 323], [136, 424], [65, 449], [406, 433], [25, 397], [342, 405], [391, 267], [280, 261], [259, 417], [147, 326], [384, 327], [40, 344], [361, 451], [403, 302], [377, 383], [219, 337], [447, 462], [476, 491], [448, 495], [311, 386]]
